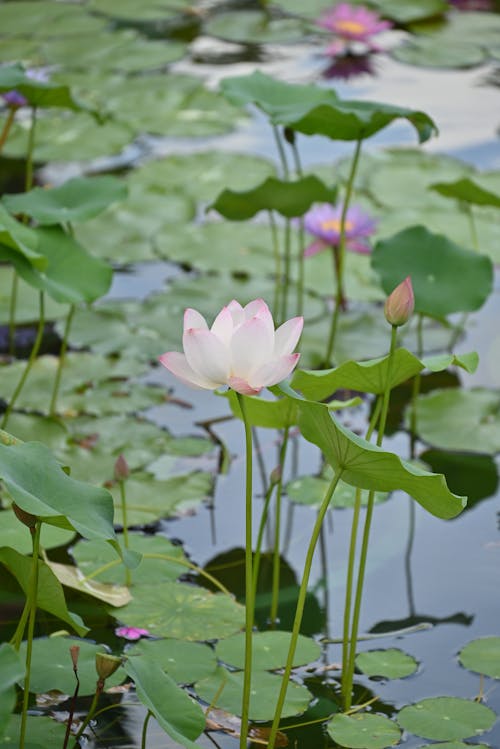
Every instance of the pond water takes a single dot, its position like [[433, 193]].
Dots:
[[421, 570]]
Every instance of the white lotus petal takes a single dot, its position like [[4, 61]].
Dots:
[[241, 386], [207, 355], [287, 335], [177, 363], [223, 326], [252, 345], [274, 371], [236, 311], [254, 308], [193, 319]]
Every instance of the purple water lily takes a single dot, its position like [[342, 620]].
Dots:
[[323, 222], [132, 633], [352, 23]]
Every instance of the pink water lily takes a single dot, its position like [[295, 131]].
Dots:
[[241, 349], [323, 222], [352, 23], [132, 633]]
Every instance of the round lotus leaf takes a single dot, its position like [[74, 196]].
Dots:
[[483, 656], [24, 51], [431, 52], [446, 718], [182, 611], [92, 555], [363, 731], [186, 662], [226, 688], [202, 175], [69, 137], [446, 277], [16, 535], [454, 745], [52, 668], [391, 663], [269, 650], [46, 19], [311, 10], [35, 427], [148, 10], [41, 732], [254, 27], [311, 490], [447, 418]]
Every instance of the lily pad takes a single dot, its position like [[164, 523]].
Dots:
[[311, 490], [254, 27], [363, 731], [446, 278], [39, 94], [43, 19], [185, 662], [455, 745], [391, 663], [21, 239], [12, 669], [42, 732], [269, 651], [447, 418], [92, 555], [224, 690], [72, 577], [482, 656], [16, 535], [446, 718], [182, 611], [149, 10], [51, 666]]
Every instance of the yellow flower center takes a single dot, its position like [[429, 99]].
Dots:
[[334, 225], [351, 27]]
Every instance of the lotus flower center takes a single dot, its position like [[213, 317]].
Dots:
[[333, 224], [351, 27]]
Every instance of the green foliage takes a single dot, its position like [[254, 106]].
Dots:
[[363, 731], [391, 663], [269, 650], [482, 656], [445, 718], [185, 662]]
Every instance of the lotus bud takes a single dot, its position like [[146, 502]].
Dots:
[[25, 517], [74, 652], [106, 665], [400, 304], [276, 475], [122, 470]]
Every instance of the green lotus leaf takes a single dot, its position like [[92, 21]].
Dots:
[[28, 306], [185, 662], [38, 93], [224, 688], [45, 19], [269, 650], [391, 663], [446, 718], [182, 611], [363, 731], [467, 190], [254, 27], [15, 535], [41, 731], [483, 656], [311, 490], [12, 669], [19, 238]]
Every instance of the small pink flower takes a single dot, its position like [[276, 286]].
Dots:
[[351, 23], [14, 99], [323, 222], [131, 633], [400, 304], [241, 349]]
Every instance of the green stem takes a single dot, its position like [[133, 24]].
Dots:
[[7, 126], [347, 678], [260, 536], [281, 152], [98, 691], [339, 299], [12, 312], [28, 182], [352, 549], [300, 605], [17, 637], [473, 228], [32, 597], [277, 265], [249, 603], [415, 390], [301, 268], [62, 358], [123, 503], [286, 279], [29, 364], [145, 729], [277, 534]]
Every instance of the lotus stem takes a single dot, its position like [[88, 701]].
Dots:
[[32, 598], [62, 359], [145, 729], [277, 264], [7, 126], [277, 534]]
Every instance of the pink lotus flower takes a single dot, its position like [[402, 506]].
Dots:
[[241, 349], [323, 221], [400, 304], [351, 23], [131, 633]]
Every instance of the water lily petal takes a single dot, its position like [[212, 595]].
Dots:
[[241, 386], [252, 345], [275, 371], [287, 335], [177, 363], [237, 312], [193, 319], [223, 326], [207, 355], [317, 246]]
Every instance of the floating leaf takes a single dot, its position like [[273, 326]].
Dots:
[[483, 656], [391, 663], [286, 198], [448, 418], [72, 577], [445, 718], [446, 278], [467, 190], [269, 650], [38, 93], [224, 690], [369, 467], [177, 713], [405, 11], [174, 610], [16, 535], [311, 490], [367, 377], [455, 745], [37, 483], [251, 27], [50, 595], [363, 731], [42, 732], [185, 662], [21, 239], [12, 670], [51, 666], [76, 200]]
